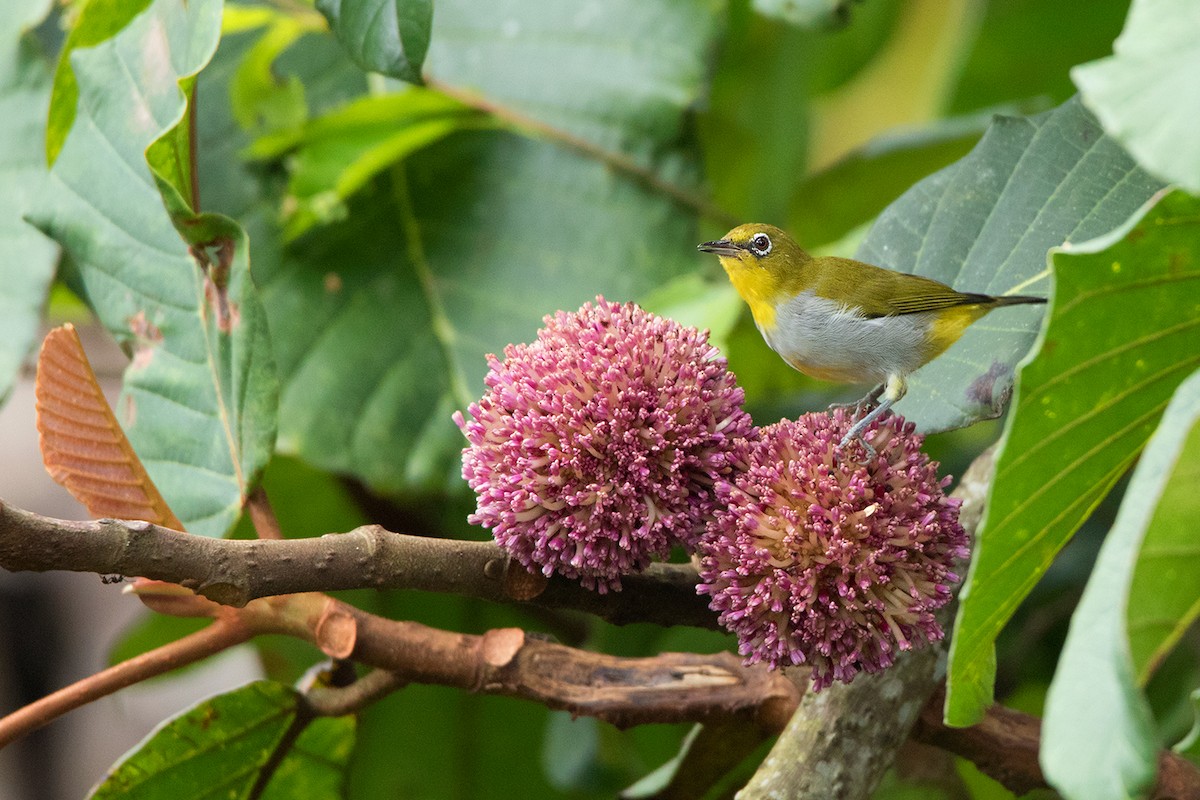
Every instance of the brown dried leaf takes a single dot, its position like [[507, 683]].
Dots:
[[83, 446]]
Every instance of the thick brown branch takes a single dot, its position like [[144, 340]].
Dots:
[[685, 687], [1004, 745], [234, 572], [670, 687]]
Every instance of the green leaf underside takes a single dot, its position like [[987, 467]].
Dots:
[[218, 749], [387, 36], [985, 225], [27, 266], [198, 398], [1099, 738], [382, 321], [831, 203], [98, 20], [1120, 339], [1146, 94]]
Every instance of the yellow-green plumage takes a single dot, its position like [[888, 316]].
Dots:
[[845, 320]]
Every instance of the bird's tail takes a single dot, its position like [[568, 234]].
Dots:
[[1001, 300], [1016, 300]]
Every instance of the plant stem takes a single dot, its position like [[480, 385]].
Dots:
[[224, 633]]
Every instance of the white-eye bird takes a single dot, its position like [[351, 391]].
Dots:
[[843, 320]]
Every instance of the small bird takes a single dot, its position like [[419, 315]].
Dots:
[[843, 320]]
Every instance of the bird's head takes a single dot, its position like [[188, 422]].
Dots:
[[764, 263]]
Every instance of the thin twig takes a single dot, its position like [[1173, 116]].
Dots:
[[337, 701], [222, 634]]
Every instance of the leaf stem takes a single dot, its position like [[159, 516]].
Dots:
[[442, 327], [620, 162], [266, 524]]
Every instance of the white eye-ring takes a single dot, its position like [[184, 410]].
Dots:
[[760, 244]]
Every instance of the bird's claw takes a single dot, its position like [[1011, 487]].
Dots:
[[871, 452]]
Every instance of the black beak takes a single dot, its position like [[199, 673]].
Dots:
[[722, 247]]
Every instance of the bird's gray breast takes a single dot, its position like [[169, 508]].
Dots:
[[829, 340]]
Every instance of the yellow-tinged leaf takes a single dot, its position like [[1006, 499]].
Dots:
[[83, 446]]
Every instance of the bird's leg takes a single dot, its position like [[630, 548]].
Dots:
[[863, 404], [893, 390]]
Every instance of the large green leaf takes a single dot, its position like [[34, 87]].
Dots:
[[1099, 739], [985, 224], [199, 398], [219, 749], [1146, 94], [381, 320], [1120, 338], [29, 257], [388, 36]]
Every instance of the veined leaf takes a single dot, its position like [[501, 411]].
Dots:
[[219, 749], [83, 446], [1146, 94], [985, 224], [1121, 336], [199, 397], [1099, 739], [29, 257]]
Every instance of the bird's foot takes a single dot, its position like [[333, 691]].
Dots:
[[860, 426], [861, 407]]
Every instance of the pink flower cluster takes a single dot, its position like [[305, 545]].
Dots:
[[617, 435], [595, 448], [813, 558]]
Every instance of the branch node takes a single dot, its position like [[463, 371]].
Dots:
[[336, 631], [521, 584], [501, 645]]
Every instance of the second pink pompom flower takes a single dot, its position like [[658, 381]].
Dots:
[[813, 558]]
